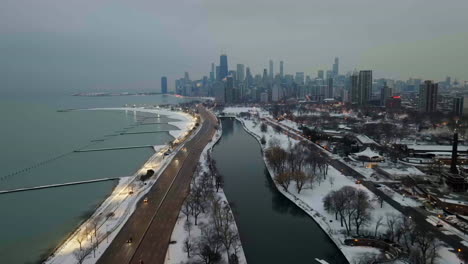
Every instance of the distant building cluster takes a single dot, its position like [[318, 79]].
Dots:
[[241, 85]]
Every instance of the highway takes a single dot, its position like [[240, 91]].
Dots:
[[151, 225]]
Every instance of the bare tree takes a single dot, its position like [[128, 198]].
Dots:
[[80, 237], [300, 178], [263, 127], [188, 246], [283, 179], [274, 142], [331, 180], [94, 223], [425, 251], [187, 207], [392, 223], [362, 209], [406, 232], [276, 156], [188, 226], [219, 182], [82, 254], [378, 223]]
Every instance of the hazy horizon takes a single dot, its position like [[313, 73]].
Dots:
[[54, 45]]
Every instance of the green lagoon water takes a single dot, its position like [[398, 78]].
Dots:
[[37, 144]]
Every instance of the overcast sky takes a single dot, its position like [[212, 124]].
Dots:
[[122, 44]]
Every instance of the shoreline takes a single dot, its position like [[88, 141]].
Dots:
[[157, 161], [292, 198], [179, 228]]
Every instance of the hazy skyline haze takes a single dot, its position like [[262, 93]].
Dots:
[[89, 45]]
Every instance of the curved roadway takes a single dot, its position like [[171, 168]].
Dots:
[[151, 224]]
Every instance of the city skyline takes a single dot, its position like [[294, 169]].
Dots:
[[423, 40]]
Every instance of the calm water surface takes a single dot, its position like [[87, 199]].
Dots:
[[37, 144], [272, 229]]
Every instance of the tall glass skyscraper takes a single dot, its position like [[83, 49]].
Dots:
[[223, 67], [164, 85]]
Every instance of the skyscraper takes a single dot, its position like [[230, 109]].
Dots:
[[354, 88], [365, 87], [164, 85], [212, 73], [281, 70], [271, 70], [218, 77], [223, 67], [336, 67], [385, 93], [330, 93], [229, 91], [320, 74], [458, 106], [299, 78], [240, 73], [329, 75], [428, 97]]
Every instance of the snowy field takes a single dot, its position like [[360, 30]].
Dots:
[[112, 214], [175, 252], [310, 200]]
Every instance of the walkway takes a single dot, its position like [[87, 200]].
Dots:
[[151, 225]]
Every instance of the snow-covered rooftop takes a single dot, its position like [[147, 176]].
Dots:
[[368, 153]]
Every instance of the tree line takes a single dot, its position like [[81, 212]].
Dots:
[[218, 229]]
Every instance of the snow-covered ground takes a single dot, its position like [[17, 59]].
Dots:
[[112, 214], [185, 123], [175, 252], [310, 200]]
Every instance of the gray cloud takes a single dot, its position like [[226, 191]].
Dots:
[[105, 44]]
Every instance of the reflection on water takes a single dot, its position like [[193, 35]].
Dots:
[[272, 228]]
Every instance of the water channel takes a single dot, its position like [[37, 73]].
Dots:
[[272, 229]]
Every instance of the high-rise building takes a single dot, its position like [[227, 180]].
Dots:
[[385, 93], [320, 74], [458, 106], [276, 93], [186, 76], [223, 67], [218, 77], [365, 87], [329, 93], [428, 92], [354, 88], [265, 76], [219, 92], [240, 73], [270, 75], [336, 67], [329, 75], [212, 73], [281, 69], [299, 78], [229, 91], [248, 78], [164, 85]]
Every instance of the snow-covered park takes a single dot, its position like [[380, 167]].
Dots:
[[311, 199], [186, 233]]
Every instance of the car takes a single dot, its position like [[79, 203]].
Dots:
[[145, 200]]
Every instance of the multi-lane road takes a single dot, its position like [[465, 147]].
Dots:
[[150, 226]]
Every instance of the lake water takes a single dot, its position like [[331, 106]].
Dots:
[[37, 144]]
